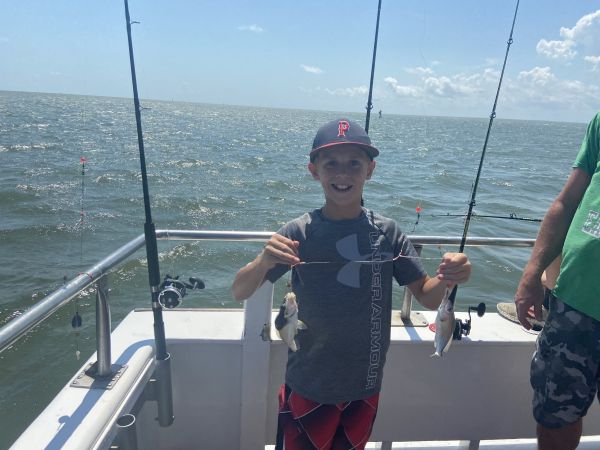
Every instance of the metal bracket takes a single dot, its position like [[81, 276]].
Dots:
[[265, 334], [416, 319], [88, 380]]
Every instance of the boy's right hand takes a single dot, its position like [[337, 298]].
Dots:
[[280, 250]]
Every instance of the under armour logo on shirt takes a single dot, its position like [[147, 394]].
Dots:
[[347, 248]]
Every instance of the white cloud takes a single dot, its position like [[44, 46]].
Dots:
[[491, 75], [311, 69], [443, 86], [537, 89], [585, 30], [431, 87], [556, 49], [538, 76], [539, 86], [347, 92], [253, 28], [402, 91], [419, 70], [585, 34], [447, 87], [594, 61]]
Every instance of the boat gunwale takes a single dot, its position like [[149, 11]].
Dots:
[[19, 326]]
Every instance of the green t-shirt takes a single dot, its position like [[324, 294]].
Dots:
[[579, 281]]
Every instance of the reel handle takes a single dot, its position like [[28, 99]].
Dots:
[[464, 328], [196, 283], [479, 308]]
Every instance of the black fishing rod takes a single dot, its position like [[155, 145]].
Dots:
[[163, 370], [487, 136], [511, 216], [369, 103], [149, 229]]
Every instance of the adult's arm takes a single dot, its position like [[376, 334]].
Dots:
[[548, 244]]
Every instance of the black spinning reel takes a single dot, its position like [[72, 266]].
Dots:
[[172, 290], [464, 328]]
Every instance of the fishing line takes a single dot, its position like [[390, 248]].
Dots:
[[297, 266], [463, 241], [76, 321], [424, 138], [377, 261], [82, 161]]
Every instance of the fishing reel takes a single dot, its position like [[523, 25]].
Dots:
[[172, 290], [464, 328]]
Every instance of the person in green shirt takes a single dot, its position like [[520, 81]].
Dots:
[[565, 366]]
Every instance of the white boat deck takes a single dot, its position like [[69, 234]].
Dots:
[[587, 443], [225, 379]]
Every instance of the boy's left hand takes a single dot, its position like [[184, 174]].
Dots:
[[455, 268]]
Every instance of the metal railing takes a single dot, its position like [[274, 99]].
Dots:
[[19, 326]]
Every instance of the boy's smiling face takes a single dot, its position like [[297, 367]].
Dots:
[[342, 171]]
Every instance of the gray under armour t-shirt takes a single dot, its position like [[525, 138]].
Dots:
[[346, 304]]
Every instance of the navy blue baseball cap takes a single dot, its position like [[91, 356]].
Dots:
[[342, 131]]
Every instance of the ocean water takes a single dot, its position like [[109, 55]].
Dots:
[[219, 167]]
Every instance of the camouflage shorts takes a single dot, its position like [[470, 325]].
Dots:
[[564, 368]]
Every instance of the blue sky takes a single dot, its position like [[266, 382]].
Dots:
[[435, 57]]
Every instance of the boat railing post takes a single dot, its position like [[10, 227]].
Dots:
[[100, 374], [407, 304], [103, 327]]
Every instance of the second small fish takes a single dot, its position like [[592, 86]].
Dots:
[[287, 323], [444, 326]]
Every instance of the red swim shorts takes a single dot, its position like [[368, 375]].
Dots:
[[307, 425]]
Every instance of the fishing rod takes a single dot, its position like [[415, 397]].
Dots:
[[463, 241], [164, 394], [369, 103], [149, 229], [511, 216]]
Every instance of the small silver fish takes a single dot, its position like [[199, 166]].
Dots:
[[287, 323], [444, 326]]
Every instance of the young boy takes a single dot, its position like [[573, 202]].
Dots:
[[343, 258]]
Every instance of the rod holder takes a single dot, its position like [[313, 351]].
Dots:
[[126, 432], [164, 391], [103, 328]]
